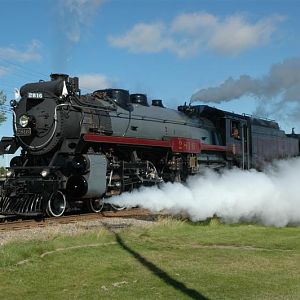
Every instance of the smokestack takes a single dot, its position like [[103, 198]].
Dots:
[[57, 76]]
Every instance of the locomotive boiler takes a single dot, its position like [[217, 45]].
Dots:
[[77, 150]]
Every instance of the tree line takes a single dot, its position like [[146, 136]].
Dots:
[[2, 119], [2, 107], [2, 172]]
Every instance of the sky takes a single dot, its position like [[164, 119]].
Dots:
[[241, 56]]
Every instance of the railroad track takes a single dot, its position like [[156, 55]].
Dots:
[[28, 224]]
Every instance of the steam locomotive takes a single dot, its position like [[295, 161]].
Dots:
[[77, 150]]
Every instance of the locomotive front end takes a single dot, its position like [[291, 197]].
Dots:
[[42, 119]]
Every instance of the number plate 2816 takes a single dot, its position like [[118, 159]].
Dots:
[[23, 131]]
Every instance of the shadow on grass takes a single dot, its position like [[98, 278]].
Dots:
[[193, 294]]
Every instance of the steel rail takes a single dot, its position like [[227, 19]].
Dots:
[[73, 219]]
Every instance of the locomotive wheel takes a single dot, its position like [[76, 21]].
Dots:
[[116, 207], [56, 204], [95, 205]]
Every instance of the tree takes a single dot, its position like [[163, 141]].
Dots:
[[2, 171], [2, 107]]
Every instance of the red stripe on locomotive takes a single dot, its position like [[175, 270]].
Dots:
[[182, 145]]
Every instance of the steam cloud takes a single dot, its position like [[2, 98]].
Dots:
[[271, 197], [282, 80], [74, 17], [92, 82]]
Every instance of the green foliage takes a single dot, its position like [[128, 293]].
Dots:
[[2, 110], [170, 260], [2, 171]]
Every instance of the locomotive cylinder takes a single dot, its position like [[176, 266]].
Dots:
[[93, 183]]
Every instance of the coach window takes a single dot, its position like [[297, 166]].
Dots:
[[235, 129]]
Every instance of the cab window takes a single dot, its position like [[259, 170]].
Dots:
[[235, 129]]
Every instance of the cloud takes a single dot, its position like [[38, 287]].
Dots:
[[188, 34], [148, 38], [76, 15], [235, 35], [30, 54], [4, 71], [94, 82]]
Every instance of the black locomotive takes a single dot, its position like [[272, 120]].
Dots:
[[78, 149]]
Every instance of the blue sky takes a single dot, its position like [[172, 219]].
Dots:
[[168, 49]]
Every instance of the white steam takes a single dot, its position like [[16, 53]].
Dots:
[[271, 197]]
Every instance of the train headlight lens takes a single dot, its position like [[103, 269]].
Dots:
[[24, 120], [45, 173]]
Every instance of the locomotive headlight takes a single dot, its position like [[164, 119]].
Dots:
[[24, 120], [45, 173]]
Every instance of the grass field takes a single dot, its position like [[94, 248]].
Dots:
[[170, 260]]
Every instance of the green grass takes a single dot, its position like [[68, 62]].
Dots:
[[171, 260]]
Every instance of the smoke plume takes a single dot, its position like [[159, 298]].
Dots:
[[76, 15], [270, 197], [73, 19], [283, 80]]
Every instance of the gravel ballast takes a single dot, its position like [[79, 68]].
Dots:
[[44, 233]]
